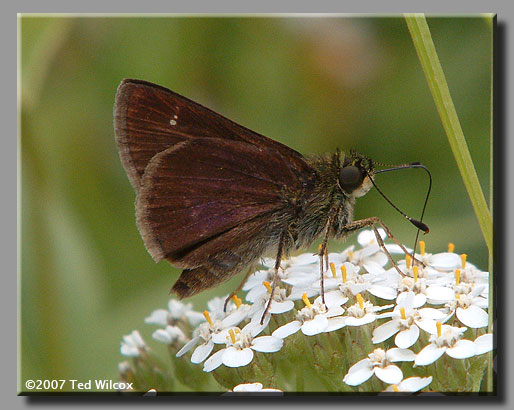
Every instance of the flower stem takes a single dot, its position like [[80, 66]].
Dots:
[[436, 79]]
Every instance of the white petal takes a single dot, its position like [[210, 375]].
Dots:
[[406, 338], [429, 354], [387, 315], [402, 297], [162, 336], [361, 364], [214, 361], [247, 387], [419, 300], [234, 318], [335, 323], [281, 307], [287, 329], [481, 302], [195, 318], [202, 352], [379, 258], [256, 293], [383, 292], [358, 287], [358, 377], [385, 331], [413, 384], [366, 237], [215, 306], [354, 321], [373, 267], [477, 290], [315, 326], [473, 316], [306, 259], [406, 300], [390, 374], [395, 249], [445, 261], [300, 279], [138, 340], [187, 347], [158, 317], [462, 349], [129, 350], [220, 337], [369, 251], [298, 291], [255, 327], [359, 373], [267, 344], [256, 279], [428, 325], [431, 313], [400, 355], [439, 294], [333, 298], [484, 343], [334, 311], [233, 357]]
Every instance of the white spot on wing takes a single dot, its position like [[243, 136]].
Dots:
[[173, 122]]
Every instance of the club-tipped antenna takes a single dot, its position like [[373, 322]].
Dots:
[[417, 223]]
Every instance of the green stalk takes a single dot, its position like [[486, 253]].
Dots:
[[489, 371], [434, 74]]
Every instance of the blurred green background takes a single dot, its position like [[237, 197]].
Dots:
[[315, 84]]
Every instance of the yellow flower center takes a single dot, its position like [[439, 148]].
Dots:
[[208, 317], [438, 325], [232, 336], [463, 260], [416, 273], [408, 261], [457, 276], [402, 312], [451, 247], [422, 247], [237, 301], [333, 269], [306, 301], [360, 300], [343, 272], [267, 285]]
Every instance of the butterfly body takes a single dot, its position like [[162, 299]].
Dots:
[[213, 197]]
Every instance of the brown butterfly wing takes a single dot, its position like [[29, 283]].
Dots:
[[204, 189], [149, 118]]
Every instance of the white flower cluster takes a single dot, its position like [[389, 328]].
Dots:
[[427, 309]]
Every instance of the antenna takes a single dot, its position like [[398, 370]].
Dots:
[[418, 224]]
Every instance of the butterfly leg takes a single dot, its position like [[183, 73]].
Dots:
[[237, 289], [371, 222], [323, 256], [275, 275]]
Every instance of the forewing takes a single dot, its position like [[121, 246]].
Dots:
[[197, 190], [149, 119]]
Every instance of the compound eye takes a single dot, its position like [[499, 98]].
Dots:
[[350, 178]]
